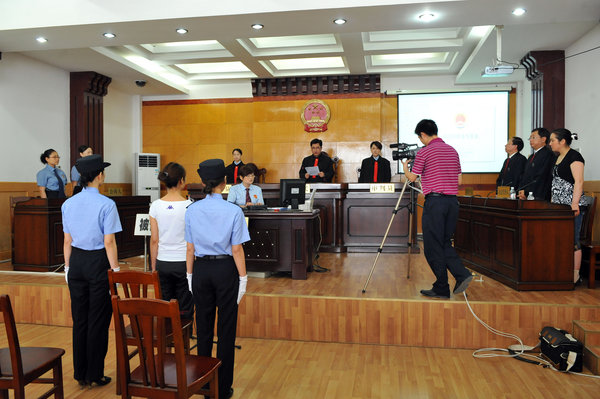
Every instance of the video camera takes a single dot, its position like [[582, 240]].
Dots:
[[405, 151]]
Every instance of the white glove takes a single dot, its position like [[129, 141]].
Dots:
[[67, 274], [189, 279], [242, 289], [117, 269]]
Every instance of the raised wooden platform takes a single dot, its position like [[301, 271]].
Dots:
[[330, 307]]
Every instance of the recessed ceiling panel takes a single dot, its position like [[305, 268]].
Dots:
[[308, 63], [213, 67], [293, 41], [172, 47], [408, 58]]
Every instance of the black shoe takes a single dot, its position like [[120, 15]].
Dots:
[[433, 294], [461, 286], [82, 384], [101, 382]]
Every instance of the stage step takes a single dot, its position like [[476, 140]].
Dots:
[[588, 332]]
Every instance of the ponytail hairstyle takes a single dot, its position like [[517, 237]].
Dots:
[[210, 185], [172, 174], [46, 154], [566, 135], [88, 177]]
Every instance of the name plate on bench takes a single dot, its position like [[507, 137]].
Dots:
[[381, 188]]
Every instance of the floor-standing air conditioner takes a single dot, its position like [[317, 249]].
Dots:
[[146, 169]]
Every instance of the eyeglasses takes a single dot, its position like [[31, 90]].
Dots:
[[534, 137]]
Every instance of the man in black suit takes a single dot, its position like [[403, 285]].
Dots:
[[514, 165], [319, 159], [375, 169], [537, 174]]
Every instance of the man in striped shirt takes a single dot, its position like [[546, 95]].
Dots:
[[439, 167]]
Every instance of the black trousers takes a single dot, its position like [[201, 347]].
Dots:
[[215, 284], [174, 285], [440, 215], [91, 311]]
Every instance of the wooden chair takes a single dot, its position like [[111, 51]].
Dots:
[[135, 284], [160, 374], [21, 366], [590, 248]]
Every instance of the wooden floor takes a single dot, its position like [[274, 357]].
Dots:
[[279, 369], [330, 306]]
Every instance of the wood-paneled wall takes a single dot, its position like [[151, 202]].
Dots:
[[269, 132]]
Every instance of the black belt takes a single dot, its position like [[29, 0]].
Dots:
[[214, 257], [432, 194]]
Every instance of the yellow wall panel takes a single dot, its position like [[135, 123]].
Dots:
[[239, 112]]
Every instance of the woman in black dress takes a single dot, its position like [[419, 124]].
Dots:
[[567, 182], [375, 169]]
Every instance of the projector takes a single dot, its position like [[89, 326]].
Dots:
[[497, 71]]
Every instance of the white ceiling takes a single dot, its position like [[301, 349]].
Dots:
[[385, 37]]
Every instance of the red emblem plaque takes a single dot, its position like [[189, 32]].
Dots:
[[315, 115]]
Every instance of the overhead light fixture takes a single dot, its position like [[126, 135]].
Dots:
[[41, 39], [427, 17], [339, 21], [181, 31], [257, 26], [519, 11], [109, 35]]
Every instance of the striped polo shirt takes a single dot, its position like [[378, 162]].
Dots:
[[439, 167]]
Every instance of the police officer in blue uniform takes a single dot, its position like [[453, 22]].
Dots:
[[90, 221], [51, 180], [216, 268]]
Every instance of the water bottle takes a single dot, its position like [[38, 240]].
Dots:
[[513, 193], [530, 196]]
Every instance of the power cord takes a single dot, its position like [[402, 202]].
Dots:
[[316, 267], [515, 351]]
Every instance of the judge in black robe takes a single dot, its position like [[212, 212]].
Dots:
[[230, 169], [323, 162], [367, 168]]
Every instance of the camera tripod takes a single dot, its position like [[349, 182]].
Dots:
[[411, 211]]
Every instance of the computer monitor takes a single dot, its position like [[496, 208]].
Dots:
[[292, 192]]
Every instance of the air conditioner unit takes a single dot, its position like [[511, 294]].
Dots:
[[146, 168]]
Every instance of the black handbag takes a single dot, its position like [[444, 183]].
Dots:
[[561, 349]]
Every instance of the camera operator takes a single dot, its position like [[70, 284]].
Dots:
[[438, 165]]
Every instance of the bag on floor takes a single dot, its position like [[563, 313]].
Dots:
[[561, 349]]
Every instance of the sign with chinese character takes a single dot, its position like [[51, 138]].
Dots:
[[381, 188], [315, 116], [226, 189], [142, 224]]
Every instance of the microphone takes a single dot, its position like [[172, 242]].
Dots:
[[335, 159], [527, 185], [490, 193]]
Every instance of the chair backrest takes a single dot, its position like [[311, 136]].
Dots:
[[13, 341], [142, 313], [587, 223], [134, 283]]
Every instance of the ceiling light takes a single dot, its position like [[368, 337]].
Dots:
[[109, 35], [181, 31], [339, 21], [427, 17], [41, 39], [257, 26], [519, 11]]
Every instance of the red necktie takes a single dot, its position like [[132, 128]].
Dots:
[[235, 175], [316, 163], [506, 165], [531, 159], [248, 195], [375, 172]]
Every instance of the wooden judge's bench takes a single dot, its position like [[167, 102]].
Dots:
[[37, 241]]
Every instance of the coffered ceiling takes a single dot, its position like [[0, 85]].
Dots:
[[220, 46]]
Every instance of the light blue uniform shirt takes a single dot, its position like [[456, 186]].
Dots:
[[47, 178], [75, 176], [213, 225], [88, 217], [237, 194]]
